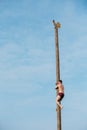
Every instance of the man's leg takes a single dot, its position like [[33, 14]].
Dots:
[[58, 98], [60, 105]]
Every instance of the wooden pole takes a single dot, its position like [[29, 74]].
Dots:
[[56, 26]]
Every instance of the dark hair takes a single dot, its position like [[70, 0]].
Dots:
[[60, 81]]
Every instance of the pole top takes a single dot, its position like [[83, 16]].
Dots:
[[57, 25]]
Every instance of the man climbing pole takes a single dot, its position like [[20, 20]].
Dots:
[[60, 95]]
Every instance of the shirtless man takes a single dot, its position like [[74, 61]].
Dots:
[[60, 95]]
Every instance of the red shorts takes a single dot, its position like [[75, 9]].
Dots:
[[61, 96]]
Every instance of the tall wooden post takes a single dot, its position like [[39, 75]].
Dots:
[[56, 26]]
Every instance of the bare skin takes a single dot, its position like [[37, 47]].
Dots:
[[60, 88]]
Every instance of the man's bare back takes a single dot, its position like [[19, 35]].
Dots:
[[60, 88]]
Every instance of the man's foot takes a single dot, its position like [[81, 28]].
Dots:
[[60, 108], [60, 105]]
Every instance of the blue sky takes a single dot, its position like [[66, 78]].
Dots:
[[27, 64]]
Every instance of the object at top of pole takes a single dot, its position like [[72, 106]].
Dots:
[[57, 25]]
